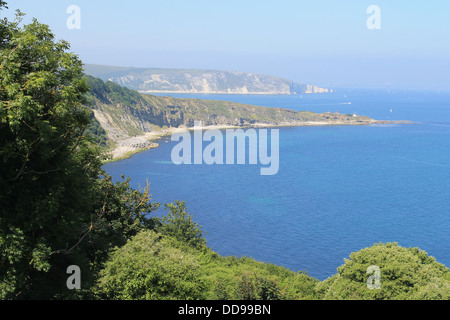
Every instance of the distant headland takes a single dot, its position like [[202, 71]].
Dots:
[[132, 121], [160, 80]]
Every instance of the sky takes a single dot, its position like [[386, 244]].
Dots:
[[323, 42]]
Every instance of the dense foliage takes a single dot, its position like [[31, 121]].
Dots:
[[96, 132], [149, 267], [57, 207], [110, 92], [405, 273]]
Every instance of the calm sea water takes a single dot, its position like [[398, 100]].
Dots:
[[339, 189]]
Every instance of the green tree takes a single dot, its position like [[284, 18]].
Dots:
[[148, 267], [178, 223], [405, 273], [57, 207], [258, 287]]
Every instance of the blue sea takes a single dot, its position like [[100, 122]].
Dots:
[[339, 189]]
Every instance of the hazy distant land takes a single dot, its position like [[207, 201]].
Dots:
[[159, 80]]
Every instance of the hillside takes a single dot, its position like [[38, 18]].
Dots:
[[150, 80], [132, 119]]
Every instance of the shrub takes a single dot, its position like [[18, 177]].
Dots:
[[149, 268], [406, 273]]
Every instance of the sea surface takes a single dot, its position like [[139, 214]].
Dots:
[[339, 189]]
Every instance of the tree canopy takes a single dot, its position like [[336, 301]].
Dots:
[[57, 207], [405, 273]]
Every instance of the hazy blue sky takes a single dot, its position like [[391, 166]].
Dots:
[[325, 42]]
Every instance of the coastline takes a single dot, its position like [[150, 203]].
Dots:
[[158, 92], [130, 146], [126, 148]]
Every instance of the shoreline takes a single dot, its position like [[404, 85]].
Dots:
[[149, 141], [128, 147]]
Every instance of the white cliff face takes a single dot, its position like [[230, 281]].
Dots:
[[203, 81], [314, 89]]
